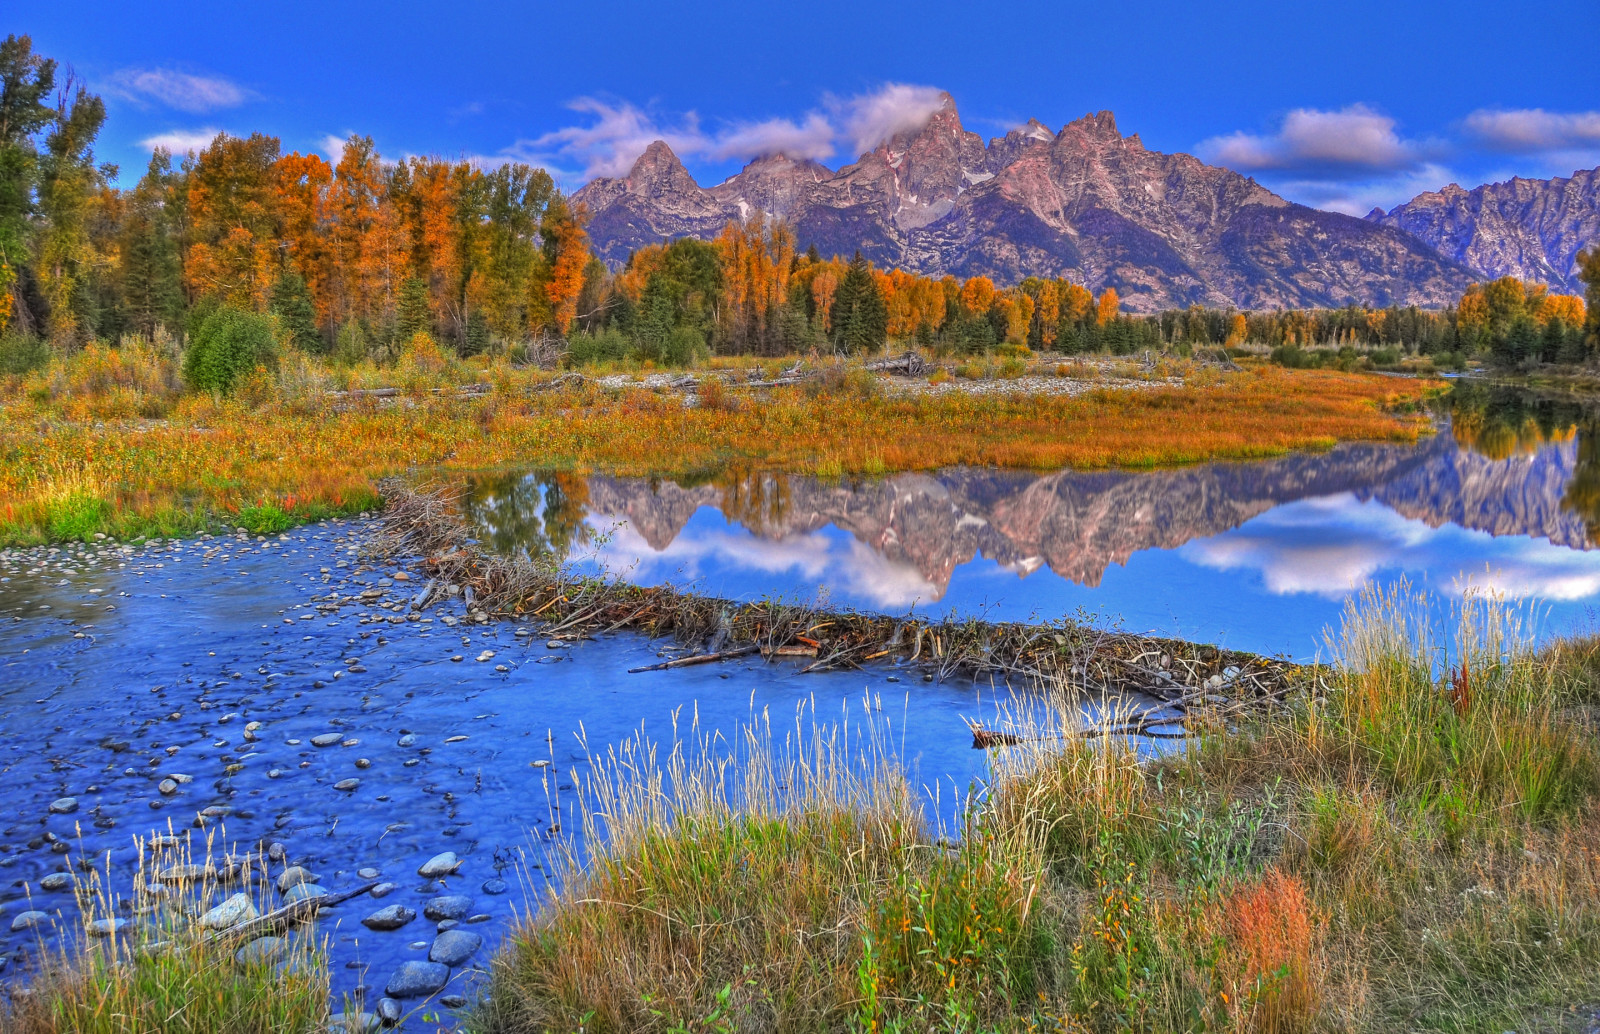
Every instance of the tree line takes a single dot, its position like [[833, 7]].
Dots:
[[356, 257]]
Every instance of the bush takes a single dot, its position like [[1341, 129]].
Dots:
[[22, 353], [608, 345], [227, 344]]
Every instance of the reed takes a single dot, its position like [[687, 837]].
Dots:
[[135, 957]]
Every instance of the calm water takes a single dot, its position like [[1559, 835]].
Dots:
[[1256, 556]]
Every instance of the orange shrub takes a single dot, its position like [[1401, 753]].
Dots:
[[1272, 976]]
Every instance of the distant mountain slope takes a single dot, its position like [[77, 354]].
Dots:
[[1529, 229], [1086, 203]]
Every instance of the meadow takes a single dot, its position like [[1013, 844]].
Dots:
[[111, 441]]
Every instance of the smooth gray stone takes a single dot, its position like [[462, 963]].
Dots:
[[453, 947], [442, 864], [347, 784], [230, 912], [447, 906], [326, 739], [64, 806], [28, 920], [56, 881], [417, 980], [495, 887], [390, 1011], [293, 877], [453, 1001], [303, 891], [383, 890], [391, 917], [104, 927], [367, 873], [352, 1023], [262, 951]]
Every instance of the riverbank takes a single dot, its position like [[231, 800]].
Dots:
[[108, 443], [1387, 849]]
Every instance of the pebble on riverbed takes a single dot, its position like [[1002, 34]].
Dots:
[[417, 980], [442, 864]]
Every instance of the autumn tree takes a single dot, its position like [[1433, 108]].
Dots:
[[232, 212]]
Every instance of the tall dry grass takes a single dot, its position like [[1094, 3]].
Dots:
[[1395, 854], [134, 958]]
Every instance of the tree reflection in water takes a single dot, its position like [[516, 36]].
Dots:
[[1500, 421], [538, 515]]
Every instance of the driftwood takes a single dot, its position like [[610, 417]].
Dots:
[[908, 364], [699, 658], [461, 391]]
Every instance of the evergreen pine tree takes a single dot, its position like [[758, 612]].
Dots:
[[476, 341], [412, 314], [291, 303], [860, 319]]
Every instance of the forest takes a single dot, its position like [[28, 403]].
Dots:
[[352, 259]]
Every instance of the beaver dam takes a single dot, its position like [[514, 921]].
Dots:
[[1181, 677]]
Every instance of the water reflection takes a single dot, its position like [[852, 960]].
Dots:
[[1256, 555]]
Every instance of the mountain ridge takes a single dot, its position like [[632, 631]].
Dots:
[[1086, 202]]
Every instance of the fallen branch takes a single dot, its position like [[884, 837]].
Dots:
[[699, 658]]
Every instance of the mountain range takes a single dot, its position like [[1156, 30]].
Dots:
[[1101, 209]]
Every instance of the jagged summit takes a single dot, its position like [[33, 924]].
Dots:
[[1527, 228], [1086, 203]]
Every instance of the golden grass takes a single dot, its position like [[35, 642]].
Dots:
[[1341, 865], [110, 446]]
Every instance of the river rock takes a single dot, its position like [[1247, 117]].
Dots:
[[304, 892], [495, 886], [390, 1011], [28, 920], [326, 739], [417, 980], [56, 881], [367, 873], [439, 865], [383, 890], [168, 787], [347, 784], [230, 912], [64, 806], [262, 951], [447, 906], [390, 917], [407, 740], [104, 927], [352, 1023], [453, 947], [293, 876]]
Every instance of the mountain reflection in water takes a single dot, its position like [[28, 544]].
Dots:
[[1257, 555]]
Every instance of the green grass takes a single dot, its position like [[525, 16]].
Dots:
[[1394, 855]]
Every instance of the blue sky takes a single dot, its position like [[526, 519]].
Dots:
[[1338, 105]]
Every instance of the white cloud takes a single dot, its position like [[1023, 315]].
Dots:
[[811, 139], [869, 119], [613, 141], [1534, 130], [1331, 546], [333, 146], [1356, 137], [181, 141], [619, 131], [180, 90]]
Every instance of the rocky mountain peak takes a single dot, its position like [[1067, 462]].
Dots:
[[658, 173], [1529, 229]]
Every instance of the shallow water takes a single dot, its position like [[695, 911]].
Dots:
[[119, 667], [1255, 556]]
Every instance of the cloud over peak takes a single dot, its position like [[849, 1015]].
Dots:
[[619, 131], [179, 90]]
